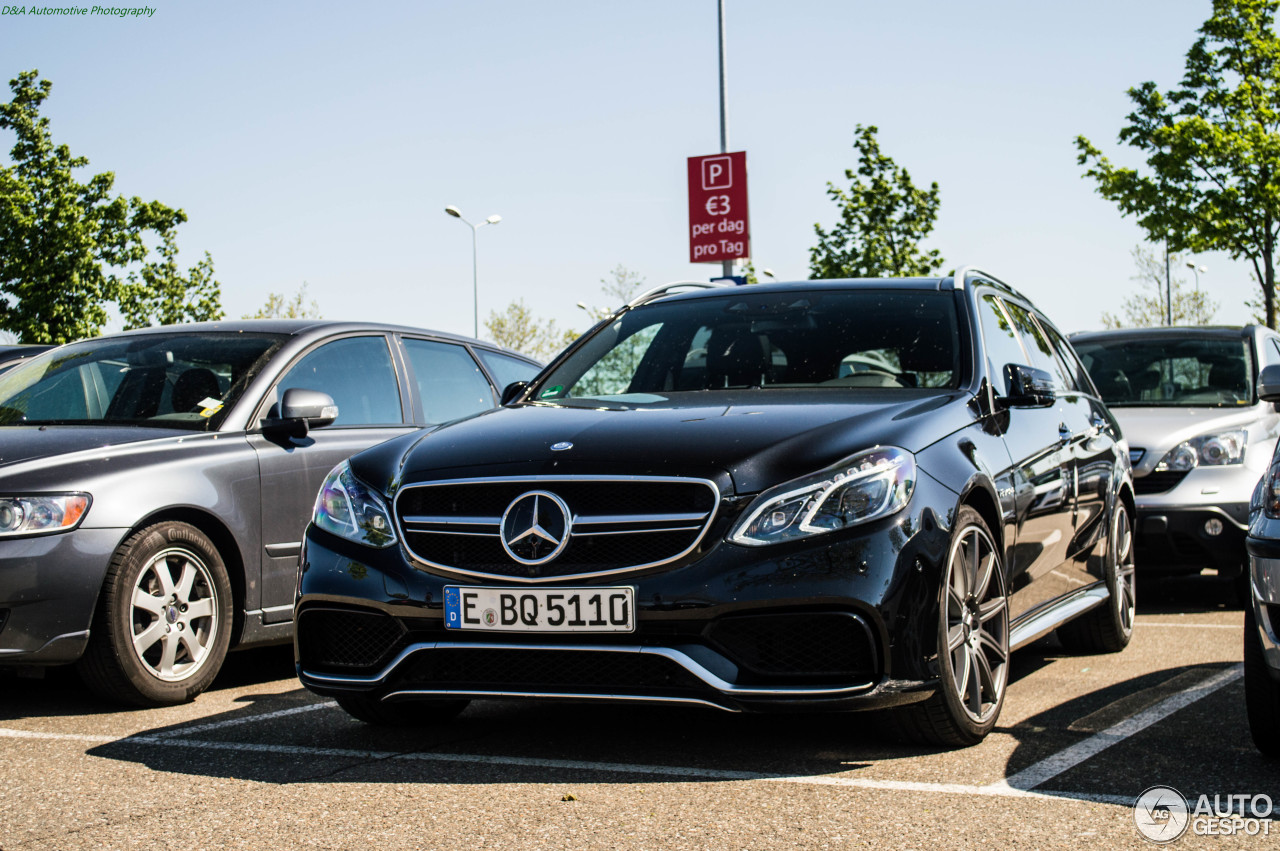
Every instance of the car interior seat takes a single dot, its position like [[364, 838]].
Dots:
[[1229, 377], [1112, 384], [193, 387], [736, 357]]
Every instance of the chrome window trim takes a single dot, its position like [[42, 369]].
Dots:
[[550, 480]]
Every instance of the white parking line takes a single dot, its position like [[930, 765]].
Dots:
[[1236, 626], [1020, 785], [248, 719], [671, 771], [1069, 758]]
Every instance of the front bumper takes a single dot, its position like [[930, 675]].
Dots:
[[1173, 539], [1264, 576], [1173, 508], [841, 620], [49, 586]]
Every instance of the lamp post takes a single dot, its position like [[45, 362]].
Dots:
[[1197, 270], [475, 275]]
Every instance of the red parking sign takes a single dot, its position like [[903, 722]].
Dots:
[[718, 228]]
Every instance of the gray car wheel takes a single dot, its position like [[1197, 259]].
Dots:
[[973, 642], [163, 622], [1108, 628]]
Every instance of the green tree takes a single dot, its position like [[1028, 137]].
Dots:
[[1212, 146], [517, 328], [883, 219], [278, 306], [618, 288], [1146, 308], [159, 294], [63, 243]]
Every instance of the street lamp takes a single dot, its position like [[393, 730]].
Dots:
[[475, 275], [1197, 269]]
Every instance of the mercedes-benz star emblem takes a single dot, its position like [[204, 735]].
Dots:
[[535, 527]]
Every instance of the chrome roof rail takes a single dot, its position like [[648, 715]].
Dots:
[[649, 295], [963, 273]]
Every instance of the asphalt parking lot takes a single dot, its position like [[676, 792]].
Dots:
[[258, 762]]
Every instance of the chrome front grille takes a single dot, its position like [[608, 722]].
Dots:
[[617, 524]]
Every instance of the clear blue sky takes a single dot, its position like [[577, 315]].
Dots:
[[320, 141]]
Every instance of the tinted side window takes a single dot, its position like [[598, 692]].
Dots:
[[1037, 346], [357, 373], [1074, 371], [1000, 338], [507, 370], [450, 382]]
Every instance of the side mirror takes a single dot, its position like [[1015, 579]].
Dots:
[[1269, 384], [513, 391], [301, 410], [1028, 387]]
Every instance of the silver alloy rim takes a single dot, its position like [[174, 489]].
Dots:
[[975, 620], [1124, 590], [174, 614]]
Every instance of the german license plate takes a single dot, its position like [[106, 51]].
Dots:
[[540, 609]]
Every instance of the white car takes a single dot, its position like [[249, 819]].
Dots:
[[1199, 436]]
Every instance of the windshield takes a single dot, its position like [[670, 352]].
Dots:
[[178, 380], [865, 339], [1172, 371]]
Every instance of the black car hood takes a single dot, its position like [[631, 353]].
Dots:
[[758, 438], [31, 443]]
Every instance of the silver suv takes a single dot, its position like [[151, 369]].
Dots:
[[1199, 436]]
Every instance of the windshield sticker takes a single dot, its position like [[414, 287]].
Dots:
[[209, 407], [552, 392]]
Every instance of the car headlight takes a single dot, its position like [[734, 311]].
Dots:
[[1210, 450], [349, 509], [864, 487], [42, 515], [1268, 491]]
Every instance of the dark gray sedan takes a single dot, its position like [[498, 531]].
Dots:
[[155, 485], [12, 355]]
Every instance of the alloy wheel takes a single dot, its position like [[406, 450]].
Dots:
[[1125, 576], [174, 614], [975, 620]]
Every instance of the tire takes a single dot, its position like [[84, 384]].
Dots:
[[973, 642], [1261, 692], [411, 713], [1242, 586], [163, 622], [1109, 627]]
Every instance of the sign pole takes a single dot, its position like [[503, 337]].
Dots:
[[726, 265]]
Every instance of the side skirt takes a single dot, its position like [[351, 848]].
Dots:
[[1045, 619]]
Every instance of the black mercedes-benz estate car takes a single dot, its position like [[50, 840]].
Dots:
[[155, 485], [823, 494]]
